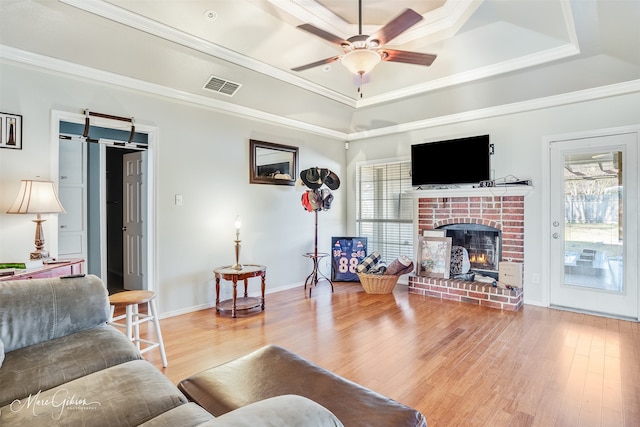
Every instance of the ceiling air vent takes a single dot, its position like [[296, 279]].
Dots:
[[220, 85]]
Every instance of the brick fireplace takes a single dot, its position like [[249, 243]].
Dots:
[[503, 212]]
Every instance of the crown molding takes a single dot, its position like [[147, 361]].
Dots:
[[80, 71], [444, 20], [154, 28], [617, 89], [475, 74], [69, 68]]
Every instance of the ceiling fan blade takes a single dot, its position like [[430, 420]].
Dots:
[[315, 64], [323, 34], [407, 57], [397, 26]]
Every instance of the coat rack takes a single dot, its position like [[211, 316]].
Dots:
[[314, 200]]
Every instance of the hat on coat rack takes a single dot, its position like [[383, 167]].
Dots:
[[315, 199], [311, 178], [327, 198], [331, 180]]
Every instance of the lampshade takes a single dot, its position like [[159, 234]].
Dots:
[[36, 197], [360, 61]]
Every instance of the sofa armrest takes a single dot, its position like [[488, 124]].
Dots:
[[280, 411], [37, 310]]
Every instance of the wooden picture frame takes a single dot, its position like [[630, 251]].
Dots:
[[272, 163], [434, 257], [11, 131]]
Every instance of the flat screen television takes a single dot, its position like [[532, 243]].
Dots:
[[454, 161]]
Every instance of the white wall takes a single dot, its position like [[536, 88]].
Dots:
[[518, 140], [203, 155]]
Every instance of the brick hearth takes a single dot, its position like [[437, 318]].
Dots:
[[470, 292], [505, 213]]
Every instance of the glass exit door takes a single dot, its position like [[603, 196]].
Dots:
[[593, 225]]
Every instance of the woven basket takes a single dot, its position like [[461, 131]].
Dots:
[[378, 283]]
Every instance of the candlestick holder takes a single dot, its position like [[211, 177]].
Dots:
[[237, 265]]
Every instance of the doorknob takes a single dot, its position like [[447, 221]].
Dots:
[[124, 228], [556, 235]]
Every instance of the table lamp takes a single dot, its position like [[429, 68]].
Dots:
[[237, 224], [37, 197]]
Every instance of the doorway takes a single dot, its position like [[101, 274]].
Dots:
[[125, 207], [593, 247], [108, 203]]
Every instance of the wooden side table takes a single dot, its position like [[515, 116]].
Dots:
[[231, 274]]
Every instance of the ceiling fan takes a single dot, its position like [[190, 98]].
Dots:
[[363, 52]]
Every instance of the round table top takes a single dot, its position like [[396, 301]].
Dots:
[[314, 255], [249, 269]]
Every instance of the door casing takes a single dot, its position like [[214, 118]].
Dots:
[[546, 205], [150, 231]]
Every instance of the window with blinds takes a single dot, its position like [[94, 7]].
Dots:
[[384, 212]]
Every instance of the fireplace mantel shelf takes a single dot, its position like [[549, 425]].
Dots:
[[514, 190]]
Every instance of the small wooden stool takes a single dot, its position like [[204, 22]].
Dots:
[[130, 300]]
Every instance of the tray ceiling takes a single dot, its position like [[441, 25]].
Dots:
[[489, 52]]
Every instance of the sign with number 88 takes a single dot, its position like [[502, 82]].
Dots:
[[348, 265], [347, 253]]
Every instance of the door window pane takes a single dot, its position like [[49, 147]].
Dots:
[[593, 233]]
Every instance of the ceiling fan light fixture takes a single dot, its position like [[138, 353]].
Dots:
[[360, 61]]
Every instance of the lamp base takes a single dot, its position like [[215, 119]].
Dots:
[[237, 266], [39, 254]]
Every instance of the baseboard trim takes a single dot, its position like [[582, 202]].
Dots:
[[212, 304]]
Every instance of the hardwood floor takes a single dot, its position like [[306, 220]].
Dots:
[[459, 364]]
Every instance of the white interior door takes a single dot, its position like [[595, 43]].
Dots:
[[594, 224], [72, 191], [134, 214]]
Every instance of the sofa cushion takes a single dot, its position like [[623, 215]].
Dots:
[[273, 371], [189, 415], [36, 310], [51, 363], [280, 411], [128, 394]]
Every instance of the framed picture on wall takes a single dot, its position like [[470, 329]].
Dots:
[[10, 131], [434, 256]]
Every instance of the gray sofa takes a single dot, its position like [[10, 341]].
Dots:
[[61, 364]]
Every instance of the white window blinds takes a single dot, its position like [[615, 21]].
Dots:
[[384, 212]]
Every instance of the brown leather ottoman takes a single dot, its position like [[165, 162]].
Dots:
[[273, 371]]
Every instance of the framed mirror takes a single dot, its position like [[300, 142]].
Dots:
[[271, 163]]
